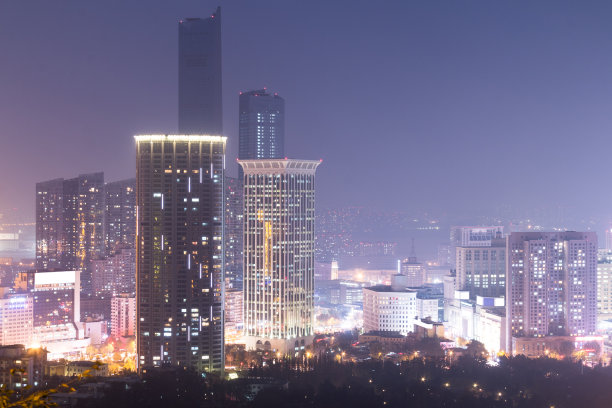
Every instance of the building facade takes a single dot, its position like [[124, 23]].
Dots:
[[279, 216], [180, 251], [70, 225], [552, 284], [123, 316], [604, 284], [482, 269], [234, 316], [21, 367], [261, 125], [389, 309], [200, 107], [115, 274], [55, 296], [414, 271], [120, 216], [472, 236], [16, 318], [233, 233]]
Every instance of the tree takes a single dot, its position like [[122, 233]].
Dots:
[[477, 350], [38, 398], [566, 349]]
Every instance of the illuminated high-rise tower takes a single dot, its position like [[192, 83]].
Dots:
[[200, 108], [180, 251], [551, 286], [279, 217], [70, 224]]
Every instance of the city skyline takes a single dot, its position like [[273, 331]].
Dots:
[[450, 244], [481, 117]]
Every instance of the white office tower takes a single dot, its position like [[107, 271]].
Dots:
[[279, 217]]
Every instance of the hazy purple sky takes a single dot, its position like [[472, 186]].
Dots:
[[446, 106]]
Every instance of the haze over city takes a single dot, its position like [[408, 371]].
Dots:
[[448, 108]]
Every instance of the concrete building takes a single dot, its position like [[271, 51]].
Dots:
[[180, 251], [120, 215], [234, 316], [21, 367], [115, 274], [390, 308], [279, 215], [472, 236], [482, 319], [415, 271], [16, 318], [56, 299], [70, 225], [604, 284], [551, 284], [123, 316], [233, 233], [482, 269]]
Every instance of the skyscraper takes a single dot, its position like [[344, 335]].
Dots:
[[179, 250], [70, 224], [120, 217], [261, 125], [200, 108], [279, 216], [233, 233], [551, 286]]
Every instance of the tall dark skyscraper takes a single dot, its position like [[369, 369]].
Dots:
[[180, 250], [261, 126], [70, 224], [200, 101]]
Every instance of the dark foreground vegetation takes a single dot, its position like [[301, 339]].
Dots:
[[469, 382]]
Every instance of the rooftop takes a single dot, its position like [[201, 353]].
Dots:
[[181, 138]]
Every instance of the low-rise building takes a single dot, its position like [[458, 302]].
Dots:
[[383, 337], [21, 367], [389, 308], [482, 319]]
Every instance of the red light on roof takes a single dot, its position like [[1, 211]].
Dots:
[[321, 160], [285, 158]]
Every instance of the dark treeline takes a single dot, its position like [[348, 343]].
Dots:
[[516, 382]]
